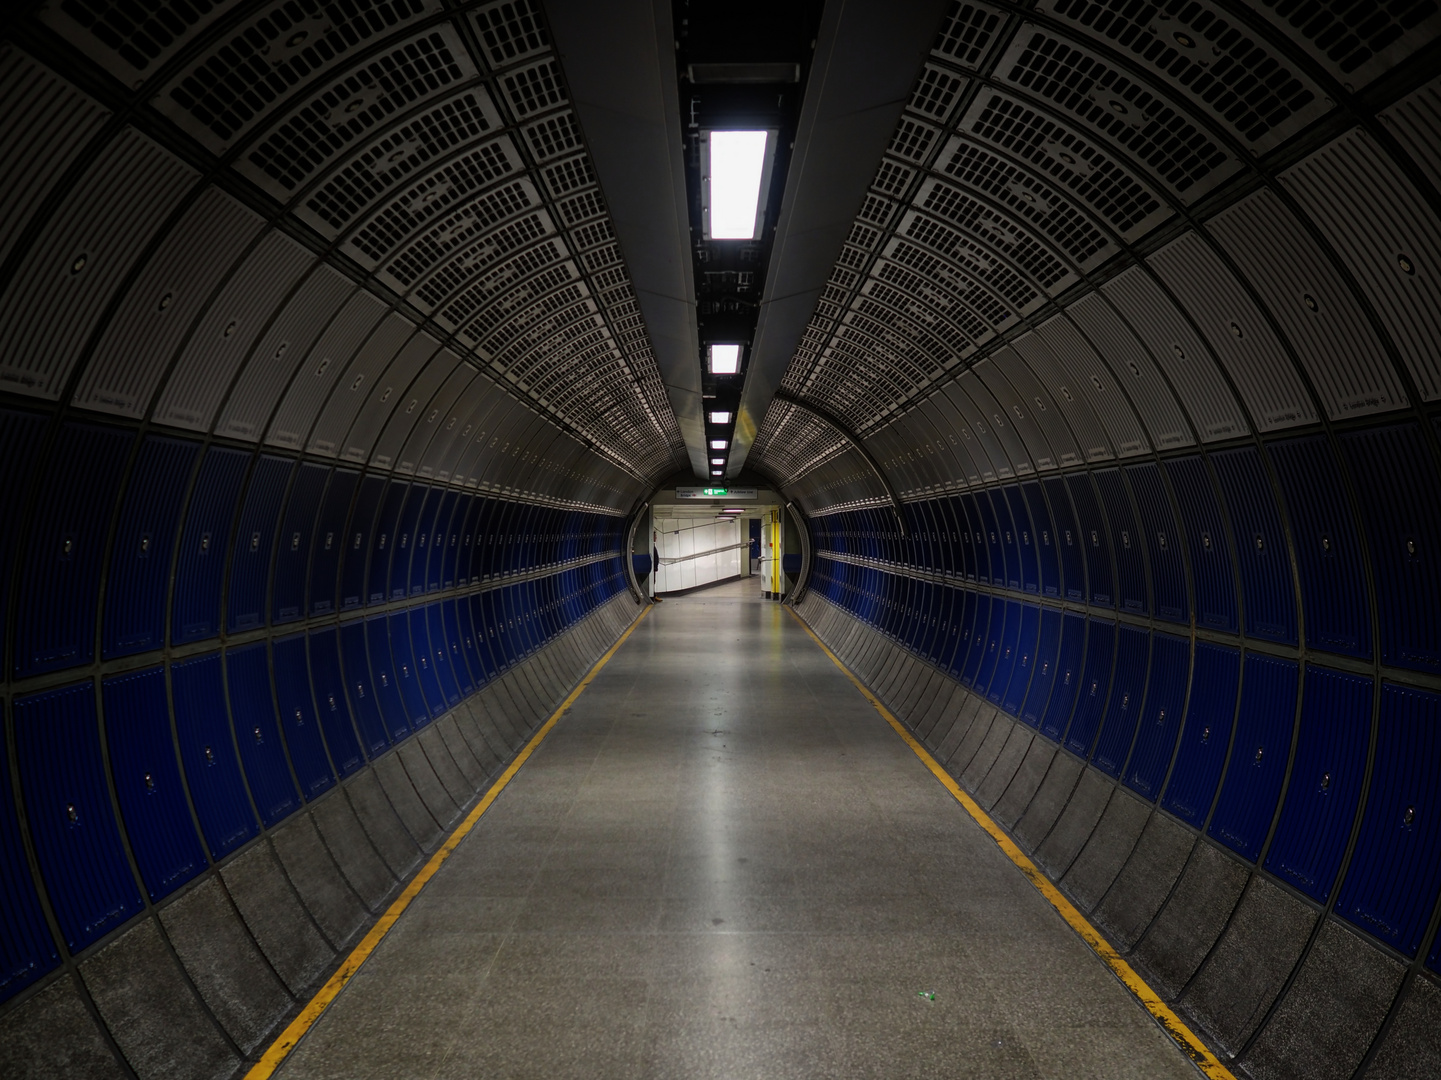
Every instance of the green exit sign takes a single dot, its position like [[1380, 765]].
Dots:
[[715, 491], [683, 493]]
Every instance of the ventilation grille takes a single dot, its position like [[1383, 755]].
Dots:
[[936, 92], [128, 39], [912, 140], [290, 44], [475, 295], [997, 230], [459, 228], [569, 175], [952, 294], [1093, 176], [973, 258], [553, 136], [1114, 105], [511, 31], [1357, 41], [546, 292], [478, 255], [893, 178], [534, 89], [965, 33]]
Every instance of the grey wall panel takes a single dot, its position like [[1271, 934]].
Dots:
[[52, 304], [477, 449], [975, 405], [146, 331], [1128, 358], [1179, 353], [319, 372], [1099, 383], [280, 351], [1388, 239], [1415, 120], [444, 453], [354, 387], [225, 334], [1015, 388], [1237, 332], [407, 401], [1314, 306], [38, 142], [979, 450], [431, 419], [1069, 394], [505, 430], [959, 466], [385, 393]]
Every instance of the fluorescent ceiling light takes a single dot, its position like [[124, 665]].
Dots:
[[733, 510], [733, 179], [717, 461], [718, 444], [720, 416], [725, 359]]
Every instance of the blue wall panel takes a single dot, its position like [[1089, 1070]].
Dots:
[[1068, 677], [1095, 682], [1026, 539], [26, 948], [1006, 656], [454, 612], [1125, 542], [1163, 543], [1326, 780], [247, 674], [250, 559], [1068, 540], [1211, 575], [364, 699], [67, 805], [328, 546], [292, 548], [20, 435], [1390, 886], [1215, 678], [1161, 720], [147, 781], [330, 698], [207, 753], [385, 678], [1262, 745], [298, 719], [990, 611], [65, 549], [1093, 538], [1123, 709], [139, 576], [200, 567], [383, 542], [407, 540], [426, 676], [359, 540], [1006, 536], [440, 658], [975, 537], [443, 541], [1025, 662], [1328, 549], [1267, 589], [1047, 556], [1048, 646], [1400, 496], [407, 677]]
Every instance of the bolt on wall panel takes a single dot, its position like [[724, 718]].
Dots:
[[147, 781], [67, 806], [207, 754], [1259, 752], [65, 549], [1160, 722], [1206, 733], [1326, 779]]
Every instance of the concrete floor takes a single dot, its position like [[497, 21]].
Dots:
[[723, 863]]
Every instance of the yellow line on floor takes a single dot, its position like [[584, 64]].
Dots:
[[1174, 1026], [280, 1049]]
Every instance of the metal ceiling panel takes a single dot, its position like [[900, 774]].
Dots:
[[402, 402], [382, 394], [1387, 237], [476, 258], [151, 323], [975, 259], [280, 351], [354, 387], [64, 281], [1237, 332], [1133, 365], [1015, 387], [1098, 383], [1179, 353], [1415, 120], [1355, 43], [322, 369], [128, 41], [1315, 307], [1071, 393], [229, 327], [37, 143]]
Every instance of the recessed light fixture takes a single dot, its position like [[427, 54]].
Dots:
[[719, 444], [734, 510], [735, 168], [720, 416], [725, 359], [717, 461]]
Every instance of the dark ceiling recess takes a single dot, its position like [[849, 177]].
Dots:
[[742, 66]]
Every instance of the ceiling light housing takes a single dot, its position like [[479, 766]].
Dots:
[[719, 444], [724, 359], [735, 170], [720, 416]]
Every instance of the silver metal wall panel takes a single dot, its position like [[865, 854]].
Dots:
[[1069, 396], [383, 394], [227, 331], [406, 407], [280, 351], [1004, 449], [1355, 44], [39, 140], [892, 447], [435, 414], [1180, 353], [63, 283], [957, 463], [322, 369], [133, 49], [1387, 237], [1415, 120], [1315, 307], [1237, 332], [477, 450], [1098, 382], [445, 459], [956, 399], [1015, 388], [228, 88], [1131, 363], [151, 322], [354, 387], [505, 436]]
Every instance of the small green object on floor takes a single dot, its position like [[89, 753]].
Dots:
[[929, 995]]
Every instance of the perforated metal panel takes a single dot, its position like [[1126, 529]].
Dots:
[[1236, 331], [511, 31], [128, 40], [1355, 42], [1388, 239], [70, 272]]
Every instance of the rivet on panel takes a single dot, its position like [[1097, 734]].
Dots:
[[229, 328], [71, 814], [258, 738], [1260, 543], [1206, 734], [1260, 753], [1184, 40], [209, 756]]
